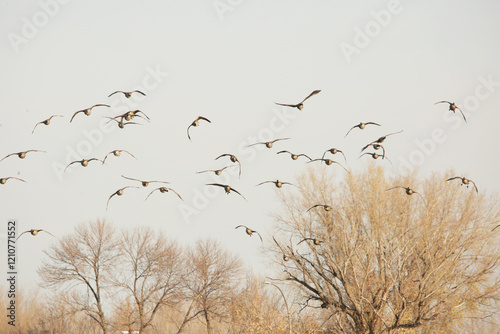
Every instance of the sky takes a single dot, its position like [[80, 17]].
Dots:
[[230, 60]]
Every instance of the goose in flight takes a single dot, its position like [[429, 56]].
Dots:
[[119, 192], [408, 191], [21, 155], [328, 162], [83, 162], [315, 241], [380, 140], [465, 181], [334, 151], [34, 232], [227, 189], [268, 144], [144, 183], [453, 107], [4, 179], [361, 126], [88, 111], [299, 105], [249, 231], [117, 153], [121, 123], [232, 158], [164, 190], [195, 123], [295, 156], [324, 206], [216, 171], [131, 114], [375, 156], [45, 122], [277, 183], [127, 94]]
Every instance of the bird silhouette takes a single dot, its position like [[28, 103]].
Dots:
[[88, 111], [380, 140], [83, 162], [195, 123], [119, 192], [453, 107], [117, 153], [216, 171], [227, 188], [249, 231], [334, 151], [232, 158], [361, 126], [45, 122], [324, 206], [144, 183], [375, 156], [299, 105], [268, 144], [34, 232], [21, 155], [315, 241], [328, 162], [164, 190], [465, 181], [408, 191], [277, 183], [4, 180], [294, 156], [127, 94]]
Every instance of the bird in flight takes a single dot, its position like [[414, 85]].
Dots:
[[127, 94], [277, 183], [119, 192], [130, 114], [144, 183], [34, 232], [88, 111], [164, 190], [117, 153], [380, 140], [295, 156], [465, 181], [45, 122], [315, 241], [361, 126], [324, 206], [233, 159], [227, 189], [121, 123], [4, 180], [216, 171], [195, 123], [300, 105], [375, 156], [83, 162], [249, 231], [268, 144], [328, 162], [334, 151], [408, 191], [22, 155], [453, 107]]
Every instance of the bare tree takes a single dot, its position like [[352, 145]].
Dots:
[[382, 261], [212, 277], [83, 259], [151, 274]]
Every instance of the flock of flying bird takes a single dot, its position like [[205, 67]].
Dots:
[[126, 119]]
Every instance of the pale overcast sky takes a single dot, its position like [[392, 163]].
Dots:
[[230, 61]]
